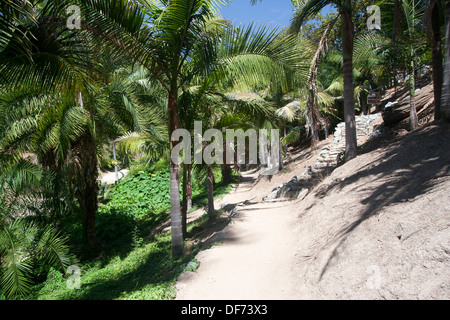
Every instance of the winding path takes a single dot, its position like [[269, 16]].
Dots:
[[254, 258]]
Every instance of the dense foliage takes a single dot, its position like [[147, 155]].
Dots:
[[75, 103]]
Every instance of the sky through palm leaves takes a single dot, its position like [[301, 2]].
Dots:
[[272, 12]]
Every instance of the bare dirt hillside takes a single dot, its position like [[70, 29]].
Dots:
[[378, 227]]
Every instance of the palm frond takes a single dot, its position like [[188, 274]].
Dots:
[[289, 111]]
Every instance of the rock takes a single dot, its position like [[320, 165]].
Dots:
[[273, 195], [302, 194], [375, 134], [191, 267], [224, 202], [328, 159]]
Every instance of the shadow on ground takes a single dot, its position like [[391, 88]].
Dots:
[[408, 168]]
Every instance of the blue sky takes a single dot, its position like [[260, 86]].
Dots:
[[272, 12]]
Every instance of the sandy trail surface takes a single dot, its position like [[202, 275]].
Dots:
[[254, 257]]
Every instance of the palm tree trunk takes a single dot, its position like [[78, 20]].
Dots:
[[227, 174], [445, 102], [175, 208], [189, 188], [437, 60], [396, 22], [210, 185], [349, 101], [187, 195], [87, 185], [184, 208], [413, 121]]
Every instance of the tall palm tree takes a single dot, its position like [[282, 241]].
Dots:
[[410, 14], [163, 45], [307, 9]]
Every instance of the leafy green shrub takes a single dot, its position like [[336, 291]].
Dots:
[[139, 198], [141, 195]]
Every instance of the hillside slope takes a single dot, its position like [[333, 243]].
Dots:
[[379, 226]]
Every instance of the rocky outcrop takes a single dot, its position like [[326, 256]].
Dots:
[[329, 157]]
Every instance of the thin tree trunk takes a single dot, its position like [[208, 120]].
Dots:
[[189, 188], [175, 210], [413, 121], [280, 159], [313, 112], [210, 185], [437, 60], [187, 196], [184, 208], [349, 101], [227, 171], [445, 102]]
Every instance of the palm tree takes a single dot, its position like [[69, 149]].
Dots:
[[410, 14], [27, 247], [445, 105], [308, 8], [61, 129], [24, 247], [312, 104], [171, 37], [73, 104]]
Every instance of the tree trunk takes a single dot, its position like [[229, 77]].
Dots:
[[189, 188], [184, 208], [187, 196], [437, 59], [210, 185], [413, 120], [445, 102], [349, 101], [227, 173], [396, 22], [175, 210], [87, 193]]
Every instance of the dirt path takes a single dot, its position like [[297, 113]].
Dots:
[[376, 228], [254, 258]]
